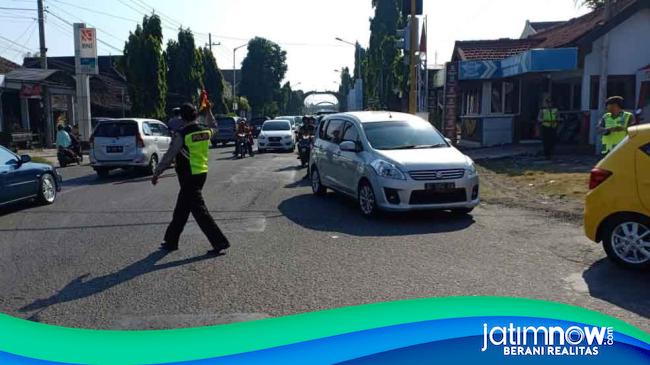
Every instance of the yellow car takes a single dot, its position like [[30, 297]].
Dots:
[[617, 208]]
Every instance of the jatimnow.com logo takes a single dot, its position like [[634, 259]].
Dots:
[[547, 340]]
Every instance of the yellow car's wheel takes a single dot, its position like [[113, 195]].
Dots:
[[626, 241]]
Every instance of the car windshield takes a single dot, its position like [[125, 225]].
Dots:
[[276, 126], [116, 129], [403, 135], [225, 123]]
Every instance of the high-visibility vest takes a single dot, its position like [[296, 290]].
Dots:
[[193, 159], [549, 118], [612, 139]]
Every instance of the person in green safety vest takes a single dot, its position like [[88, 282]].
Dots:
[[613, 126], [548, 117], [190, 147]]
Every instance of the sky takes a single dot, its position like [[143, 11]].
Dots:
[[306, 29]]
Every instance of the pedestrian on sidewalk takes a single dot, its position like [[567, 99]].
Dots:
[[548, 118], [613, 126], [190, 147]]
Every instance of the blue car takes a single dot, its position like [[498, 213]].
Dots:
[[21, 179]]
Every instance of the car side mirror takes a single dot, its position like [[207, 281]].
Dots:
[[25, 159], [448, 141], [348, 146]]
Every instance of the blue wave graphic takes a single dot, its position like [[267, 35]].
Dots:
[[453, 341]]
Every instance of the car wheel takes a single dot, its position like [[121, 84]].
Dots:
[[316, 186], [62, 163], [366, 199], [153, 164], [462, 211], [102, 173], [47, 189], [626, 241]]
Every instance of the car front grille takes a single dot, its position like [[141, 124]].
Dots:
[[424, 197], [433, 175], [275, 139]]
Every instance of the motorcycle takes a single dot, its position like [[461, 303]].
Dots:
[[304, 149], [244, 145], [67, 156]]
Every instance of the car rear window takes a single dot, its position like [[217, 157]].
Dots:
[[116, 129], [226, 123]]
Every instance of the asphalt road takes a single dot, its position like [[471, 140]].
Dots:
[[91, 259]]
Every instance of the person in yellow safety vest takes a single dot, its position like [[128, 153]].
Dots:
[[190, 147], [548, 117], [613, 126]]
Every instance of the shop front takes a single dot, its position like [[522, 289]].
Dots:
[[33, 101], [499, 99]]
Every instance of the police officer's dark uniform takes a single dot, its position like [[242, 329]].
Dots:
[[190, 148]]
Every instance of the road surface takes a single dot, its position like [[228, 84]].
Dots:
[[91, 259]]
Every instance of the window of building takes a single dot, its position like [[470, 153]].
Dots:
[[471, 100], [505, 97], [617, 85]]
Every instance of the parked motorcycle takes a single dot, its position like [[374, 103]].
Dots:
[[67, 156], [304, 149]]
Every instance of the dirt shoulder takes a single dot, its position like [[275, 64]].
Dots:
[[557, 187]]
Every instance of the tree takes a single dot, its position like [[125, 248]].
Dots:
[[344, 88], [185, 69], [262, 71], [384, 70], [593, 4], [213, 81], [144, 66]]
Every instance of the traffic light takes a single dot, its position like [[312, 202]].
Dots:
[[404, 38], [406, 7]]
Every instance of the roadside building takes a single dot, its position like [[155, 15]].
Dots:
[[32, 100], [108, 89], [501, 83]]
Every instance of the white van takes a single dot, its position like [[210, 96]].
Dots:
[[128, 143]]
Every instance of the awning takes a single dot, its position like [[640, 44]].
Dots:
[[29, 75], [534, 60]]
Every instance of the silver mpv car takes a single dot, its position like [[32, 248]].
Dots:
[[393, 162]]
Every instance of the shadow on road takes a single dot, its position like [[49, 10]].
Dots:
[[336, 213], [78, 288], [627, 289]]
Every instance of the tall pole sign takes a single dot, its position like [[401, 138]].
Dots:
[[85, 51]]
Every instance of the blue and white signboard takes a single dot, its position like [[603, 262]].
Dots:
[[534, 60]]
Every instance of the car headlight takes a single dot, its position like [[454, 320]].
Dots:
[[287, 137], [471, 170], [387, 170], [261, 136]]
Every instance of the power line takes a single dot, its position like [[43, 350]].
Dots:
[[94, 11], [83, 21], [16, 9], [30, 26], [71, 24]]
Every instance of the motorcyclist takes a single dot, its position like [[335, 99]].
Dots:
[[63, 141], [75, 145], [244, 131]]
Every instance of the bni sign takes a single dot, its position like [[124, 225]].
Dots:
[[86, 50]]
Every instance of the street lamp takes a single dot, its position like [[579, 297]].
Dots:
[[358, 53], [234, 77]]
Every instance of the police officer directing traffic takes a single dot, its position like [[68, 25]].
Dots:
[[613, 126], [548, 117], [190, 147]]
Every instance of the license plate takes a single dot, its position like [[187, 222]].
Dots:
[[114, 149], [440, 187]]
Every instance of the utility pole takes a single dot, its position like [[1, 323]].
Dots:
[[41, 34], [412, 64], [210, 44], [604, 73]]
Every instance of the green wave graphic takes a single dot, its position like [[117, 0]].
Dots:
[[72, 345]]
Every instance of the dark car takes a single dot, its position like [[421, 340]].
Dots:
[[225, 130], [21, 179], [256, 125]]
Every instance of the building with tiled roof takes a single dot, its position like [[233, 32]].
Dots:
[[496, 49], [500, 84], [6, 65]]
